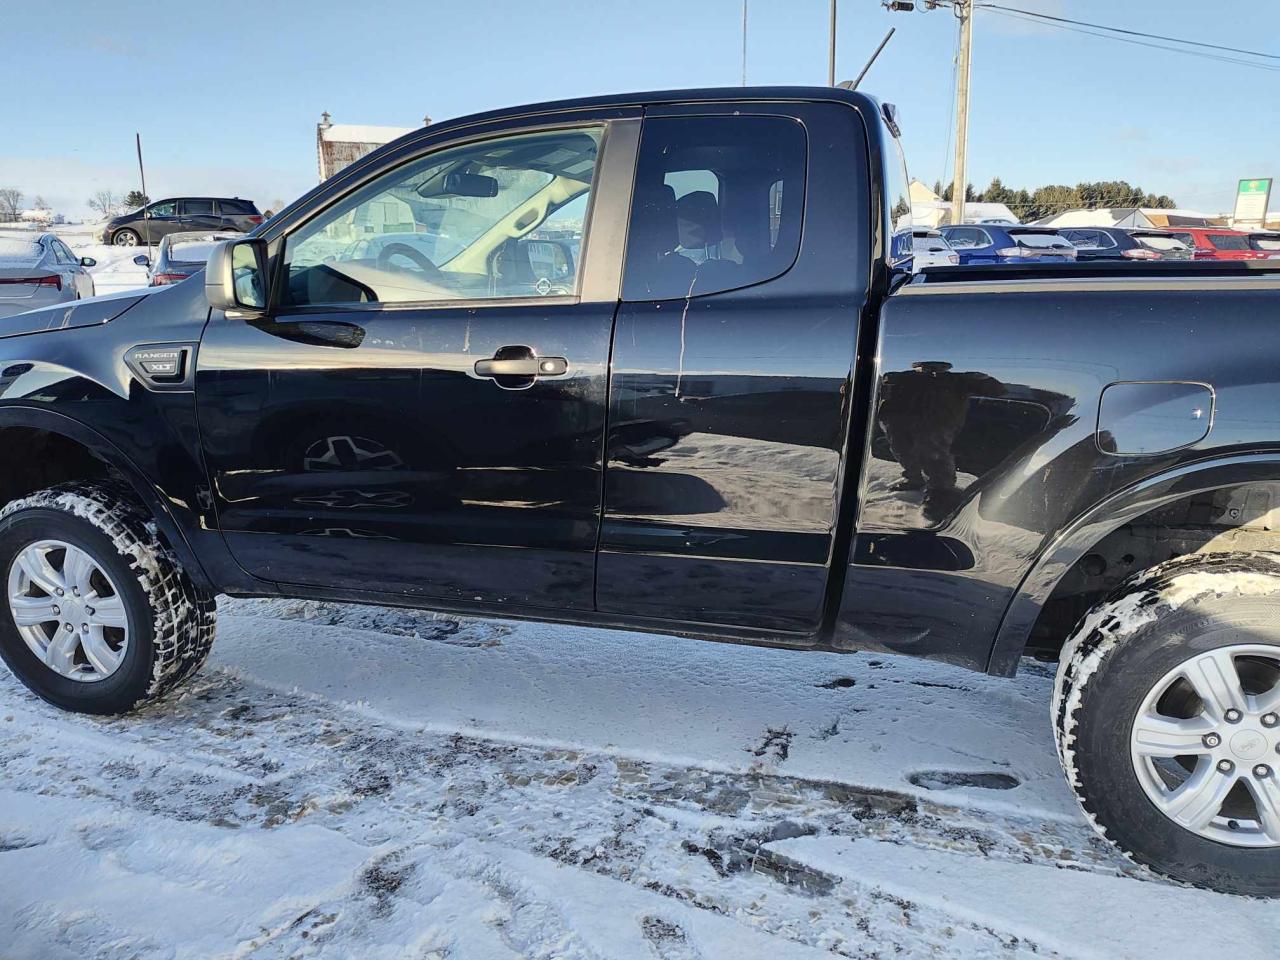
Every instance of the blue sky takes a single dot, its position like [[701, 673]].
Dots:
[[227, 102]]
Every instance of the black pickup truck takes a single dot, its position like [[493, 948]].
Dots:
[[659, 362]]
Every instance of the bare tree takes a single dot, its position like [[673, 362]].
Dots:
[[104, 202], [10, 203]]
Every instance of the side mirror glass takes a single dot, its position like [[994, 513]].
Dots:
[[236, 276], [141, 260], [88, 262]]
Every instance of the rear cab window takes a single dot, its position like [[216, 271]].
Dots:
[[717, 205]]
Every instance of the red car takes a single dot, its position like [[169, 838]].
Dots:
[[1217, 243]]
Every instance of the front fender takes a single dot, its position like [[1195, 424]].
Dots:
[[1117, 510], [159, 503]]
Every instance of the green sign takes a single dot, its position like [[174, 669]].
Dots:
[[1252, 197]]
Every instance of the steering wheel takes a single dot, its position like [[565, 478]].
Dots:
[[417, 256]]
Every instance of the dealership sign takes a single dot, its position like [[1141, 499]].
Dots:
[[1252, 197]]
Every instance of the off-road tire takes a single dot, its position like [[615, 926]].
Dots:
[[171, 620], [1118, 653]]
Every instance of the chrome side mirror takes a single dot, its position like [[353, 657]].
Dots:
[[236, 277]]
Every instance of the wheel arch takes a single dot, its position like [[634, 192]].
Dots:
[[113, 461], [1087, 531]]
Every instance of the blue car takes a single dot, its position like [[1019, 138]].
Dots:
[[1006, 243]]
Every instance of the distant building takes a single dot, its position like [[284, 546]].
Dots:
[[930, 210], [1145, 217], [341, 144]]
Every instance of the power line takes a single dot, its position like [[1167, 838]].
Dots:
[[1132, 33], [1023, 15]]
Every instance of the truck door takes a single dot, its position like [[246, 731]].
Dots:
[[729, 402], [420, 413]]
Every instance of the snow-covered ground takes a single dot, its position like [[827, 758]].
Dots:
[[359, 782]]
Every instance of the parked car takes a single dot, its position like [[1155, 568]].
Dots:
[[714, 430], [931, 249], [1216, 243], [1266, 243], [157, 220], [1007, 243], [39, 270], [180, 255], [1120, 243]]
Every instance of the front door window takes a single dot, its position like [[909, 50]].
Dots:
[[469, 223]]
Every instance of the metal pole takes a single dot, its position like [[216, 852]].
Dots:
[[831, 49], [964, 11], [142, 174], [744, 42]]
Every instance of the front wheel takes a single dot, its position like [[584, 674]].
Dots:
[[96, 616], [126, 238], [1167, 715]]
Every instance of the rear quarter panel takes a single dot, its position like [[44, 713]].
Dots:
[[1003, 381]]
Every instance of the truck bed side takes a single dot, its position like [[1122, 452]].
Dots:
[[1019, 407]]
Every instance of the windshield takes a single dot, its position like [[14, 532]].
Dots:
[[898, 197]]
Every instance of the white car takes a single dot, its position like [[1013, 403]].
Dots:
[[38, 270], [931, 249]]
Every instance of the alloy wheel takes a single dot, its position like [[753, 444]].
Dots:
[[68, 611], [1205, 745]]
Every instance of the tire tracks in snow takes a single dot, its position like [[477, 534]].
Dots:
[[242, 757]]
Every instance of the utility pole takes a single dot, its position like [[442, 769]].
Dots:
[[744, 42], [963, 10], [831, 49], [964, 13]]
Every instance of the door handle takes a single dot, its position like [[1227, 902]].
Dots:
[[518, 366]]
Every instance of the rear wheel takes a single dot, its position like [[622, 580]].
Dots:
[[96, 616], [126, 238], [1167, 712]]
